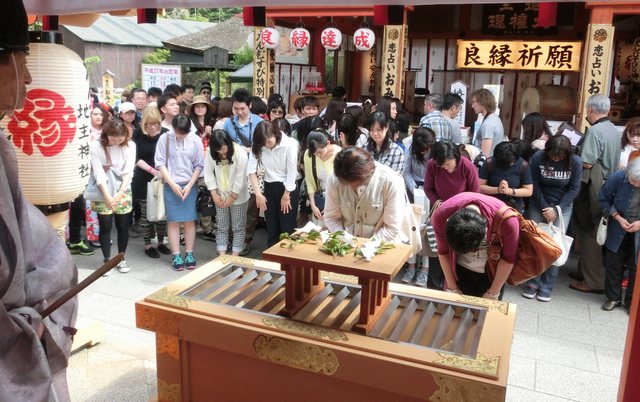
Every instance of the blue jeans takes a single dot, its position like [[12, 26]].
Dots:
[[546, 281]]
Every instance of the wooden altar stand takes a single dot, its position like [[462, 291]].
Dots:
[[221, 335], [303, 264]]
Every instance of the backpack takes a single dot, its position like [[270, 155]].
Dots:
[[536, 250]]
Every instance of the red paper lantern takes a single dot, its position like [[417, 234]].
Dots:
[[51, 133], [269, 38], [364, 39], [547, 13], [300, 38], [331, 38]]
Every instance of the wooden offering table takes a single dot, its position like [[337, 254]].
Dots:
[[303, 264], [220, 336]]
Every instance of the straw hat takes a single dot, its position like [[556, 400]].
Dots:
[[202, 100]]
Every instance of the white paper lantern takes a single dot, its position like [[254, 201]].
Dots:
[[331, 38], [51, 133], [270, 38], [299, 38], [363, 39]]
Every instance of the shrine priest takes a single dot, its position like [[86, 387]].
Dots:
[[35, 265]]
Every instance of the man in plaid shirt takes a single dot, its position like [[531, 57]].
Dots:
[[434, 119]]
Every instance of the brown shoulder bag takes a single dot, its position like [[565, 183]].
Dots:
[[536, 250]]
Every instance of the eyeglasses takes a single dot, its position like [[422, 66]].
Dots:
[[205, 93]]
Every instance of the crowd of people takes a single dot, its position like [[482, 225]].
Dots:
[[255, 159]]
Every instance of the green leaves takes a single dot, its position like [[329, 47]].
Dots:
[[290, 241], [336, 246]]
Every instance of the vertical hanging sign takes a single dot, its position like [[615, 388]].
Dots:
[[108, 95], [596, 72], [392, 60], [263, 67]]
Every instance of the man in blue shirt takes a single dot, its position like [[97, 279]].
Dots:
[[241, 126]]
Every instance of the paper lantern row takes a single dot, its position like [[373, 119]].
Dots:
[[331, 38]]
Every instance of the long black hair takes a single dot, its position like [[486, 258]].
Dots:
[[217, 139], [559, 145], [380, 119], [421, 143]]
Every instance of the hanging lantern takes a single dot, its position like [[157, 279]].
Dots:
[[51, 133], [624, 61], [331, 38], [635, 64], [269, 38], [364, 39], [299, 38]]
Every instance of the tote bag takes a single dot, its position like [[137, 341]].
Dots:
[[114, 182], [557, 234], [155, 200], [156, 210], [535, 253]]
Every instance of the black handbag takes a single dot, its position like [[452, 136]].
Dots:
[[206, 206], [318, 196]]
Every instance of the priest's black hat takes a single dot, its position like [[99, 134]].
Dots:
[[14, 28]]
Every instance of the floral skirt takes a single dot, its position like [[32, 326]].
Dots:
[[123, 207]]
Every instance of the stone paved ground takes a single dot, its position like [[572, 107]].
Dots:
[[564, 350]]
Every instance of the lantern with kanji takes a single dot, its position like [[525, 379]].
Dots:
[[51, 133], [364, 39], [270, 38], [299, 38], [331, 38]]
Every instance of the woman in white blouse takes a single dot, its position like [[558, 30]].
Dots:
[[318, 166], [225, 167], [112, 162], [278, 153]]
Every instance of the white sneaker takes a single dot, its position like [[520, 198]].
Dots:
[[421, 279], [409, 273], [123, 267], [107, 273]]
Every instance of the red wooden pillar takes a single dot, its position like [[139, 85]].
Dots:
[[317, 53], [629, 388], [355, 85]]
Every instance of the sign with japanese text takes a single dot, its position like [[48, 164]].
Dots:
[[596, 71], [460, 88], [108, 94], [392, 61], [519, 55], [263, 68], [160, 75], [512, 19]]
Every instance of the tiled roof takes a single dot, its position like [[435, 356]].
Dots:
[[230, 35], [126, 30]]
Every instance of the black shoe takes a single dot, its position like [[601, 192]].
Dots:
[[80, 248], [576, 276], [151, 252], [246, 250], [182, 240], [610, 305], [209, 236], [164, 249]]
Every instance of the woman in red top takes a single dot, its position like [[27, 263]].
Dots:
[[463, 225], [448, 174]]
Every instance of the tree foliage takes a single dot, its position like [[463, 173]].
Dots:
[[159, 56], [90, 63], [243, 56], [203, 14]]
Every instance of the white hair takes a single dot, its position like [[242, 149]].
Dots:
[[599, 103]]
